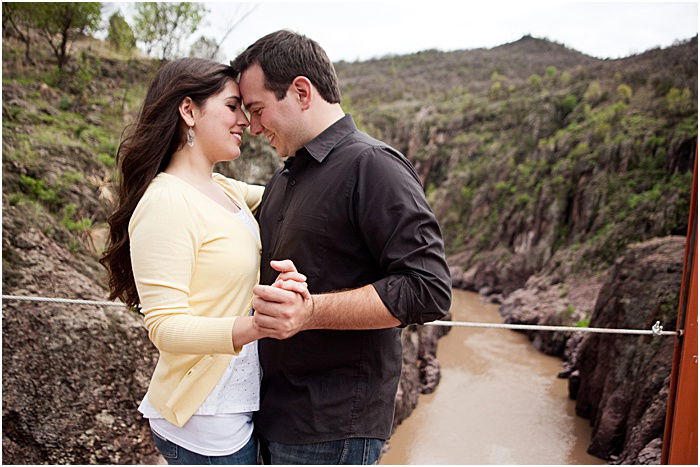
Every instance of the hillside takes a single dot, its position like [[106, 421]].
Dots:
[[530, 148]]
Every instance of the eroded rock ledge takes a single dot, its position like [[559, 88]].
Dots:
[[620, 382]]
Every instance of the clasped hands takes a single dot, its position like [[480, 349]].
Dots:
[[285, 307]]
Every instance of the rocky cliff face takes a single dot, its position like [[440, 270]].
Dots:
[[420, 369], [621, 382], [73, 375]]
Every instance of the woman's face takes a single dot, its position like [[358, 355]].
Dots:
[[219, 125]]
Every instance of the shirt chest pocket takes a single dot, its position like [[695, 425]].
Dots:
[[304, 240]]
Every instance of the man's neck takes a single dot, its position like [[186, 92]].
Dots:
[[326, 115]]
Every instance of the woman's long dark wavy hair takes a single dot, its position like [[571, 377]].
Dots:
[[146, 151]]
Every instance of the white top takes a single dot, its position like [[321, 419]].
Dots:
[[224, 422], [250, 223]]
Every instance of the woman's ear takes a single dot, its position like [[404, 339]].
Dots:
[[187, 111], [302, 88]]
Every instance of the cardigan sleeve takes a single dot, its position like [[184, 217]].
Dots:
[[164, 240], [251, 193]]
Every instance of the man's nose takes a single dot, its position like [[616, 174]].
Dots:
[[255, 127]]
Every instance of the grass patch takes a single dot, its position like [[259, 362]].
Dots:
[[80, 225]]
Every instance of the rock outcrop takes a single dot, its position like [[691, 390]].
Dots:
[[73, 375], [543, 302], [620, 382], [623, 380], [420, 369]]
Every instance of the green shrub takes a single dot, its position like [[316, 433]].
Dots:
[[535, 81], [120, 35], [568, 104], [71, 177], [80, 225], [496, 76], [624, 93], [583, 323], [64, 104], [523, 199], [504, 186], [565, 78], [678, 101], [594, 93], [106, 159], [38, 189]]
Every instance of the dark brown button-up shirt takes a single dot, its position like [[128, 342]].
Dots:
[[349, 211]]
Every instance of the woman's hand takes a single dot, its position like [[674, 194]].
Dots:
[[290, 279]]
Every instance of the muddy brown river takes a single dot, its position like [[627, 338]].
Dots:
[[498, 402]]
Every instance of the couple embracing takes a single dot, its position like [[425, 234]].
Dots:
[[276, 310]]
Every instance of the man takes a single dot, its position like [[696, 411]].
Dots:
[[350, 212]]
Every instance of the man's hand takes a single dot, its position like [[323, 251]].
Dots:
[[280, 313]]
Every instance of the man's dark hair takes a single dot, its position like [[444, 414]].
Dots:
[[284, 55]]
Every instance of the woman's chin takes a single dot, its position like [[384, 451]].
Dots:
[[230, 157]]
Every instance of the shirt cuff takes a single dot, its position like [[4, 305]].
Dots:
[[397, 298]]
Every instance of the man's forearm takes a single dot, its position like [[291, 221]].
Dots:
[[280, 313], [351, 309]]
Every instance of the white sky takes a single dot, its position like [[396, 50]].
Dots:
[[366, 29]]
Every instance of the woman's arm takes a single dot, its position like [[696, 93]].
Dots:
[[251, 193], [164, 239]]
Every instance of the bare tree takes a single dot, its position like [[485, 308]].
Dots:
[[240, 13]]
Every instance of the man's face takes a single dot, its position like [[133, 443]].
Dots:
[[279, 120]]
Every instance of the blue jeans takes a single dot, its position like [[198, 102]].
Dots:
[[177, 455], [358, 451]]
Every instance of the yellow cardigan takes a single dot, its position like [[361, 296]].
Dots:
[[195, 265]]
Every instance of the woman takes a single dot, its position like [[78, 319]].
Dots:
[[185, 246]]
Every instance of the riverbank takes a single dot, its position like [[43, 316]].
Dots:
[[619, 382], [499, 402]]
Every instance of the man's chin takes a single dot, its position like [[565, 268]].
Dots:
[[283, 153]]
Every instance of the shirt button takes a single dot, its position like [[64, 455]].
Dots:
[[293, 182], [280, 218]]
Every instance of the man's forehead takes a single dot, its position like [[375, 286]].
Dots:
[[251, 86]]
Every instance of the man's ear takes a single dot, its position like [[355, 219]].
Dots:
[[187, 110], [302, 88]]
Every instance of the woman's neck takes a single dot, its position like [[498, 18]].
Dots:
[[191, 165]]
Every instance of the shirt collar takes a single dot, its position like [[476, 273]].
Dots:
[[320, 146]]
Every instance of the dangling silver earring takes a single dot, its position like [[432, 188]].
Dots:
[[190, 137]]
